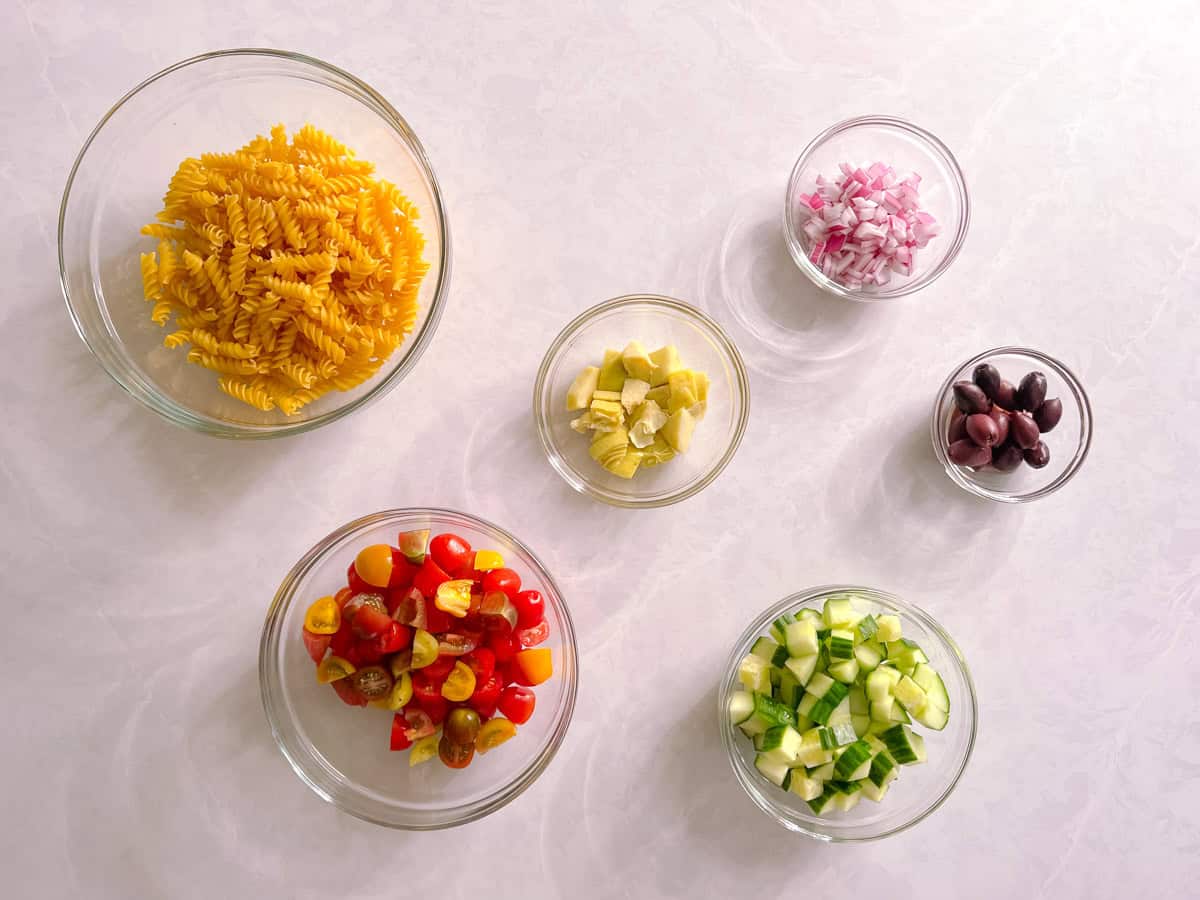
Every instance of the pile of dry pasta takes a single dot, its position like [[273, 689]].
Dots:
[[289, 269]]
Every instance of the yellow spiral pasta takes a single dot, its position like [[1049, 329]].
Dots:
[[289, 269]]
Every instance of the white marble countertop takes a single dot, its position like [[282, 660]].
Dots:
[[585, 152]]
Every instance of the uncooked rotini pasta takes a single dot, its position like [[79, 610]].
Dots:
[[289, 269]]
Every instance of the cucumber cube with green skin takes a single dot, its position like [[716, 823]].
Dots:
[[888, 628], [845, 732], [819, 804], [801, 638], [821, 773], [774, 772], [802, 667], [858, 700], [839, 613], [883, 769], [880, 682], [906, 654], [828, 741], [841, 644], [790, 691], [781, 744], [932, 717], [810, 615], [910, 694], [780, 657], [904, 746], [868, 656], [866, 628], [851, 760], [741, 705], [804, 787], [779, 627], [874, 792], [931, 682], [819, 684], [764, 648], [805, 706], [845, 671], [754, 673], [771, 712], [860, 724], [847, 796]]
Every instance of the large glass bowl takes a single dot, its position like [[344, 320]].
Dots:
[[655, 321], [907, 148], [341, 752], [920, 789], [1068, 442], [218, 102]]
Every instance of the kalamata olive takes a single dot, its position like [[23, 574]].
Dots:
[[462, 725], [1048, 414], [1023, 430], [1007, 457], [987, 377], [1032, 391], [372, 682], [1006, 395], [456, 756], [1038, 455], [958, 425], [968, 453], [970, 399], [1002, 423], [983, 430]]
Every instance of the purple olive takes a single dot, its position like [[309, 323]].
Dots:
[[1048, 415], [1024, 430], [1006, 395], [1038, 455], [1002, 423], [1006, 458], [1032, 391], [983, 430], [968, 453], [970, 399], [958, 425], [987, 377]]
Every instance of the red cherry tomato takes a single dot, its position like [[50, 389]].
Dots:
[[425, 688], [482, 662], [366, 651], [504, 580], [531, 637], [419, 723], [516, 704], [357, 585], [395, 639], [347, 692], [428, 577], [370, 622], [342, 640], [486, 696], [451, 552], [402, 570], [437, 708], [436, 621], [505, 646], [439, 668], [317, 644], [342, 596], [400, 739], [531, 608]]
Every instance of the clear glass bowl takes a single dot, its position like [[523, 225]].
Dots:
[[218, 102], [1069, 442], [341, 752], [907, 148], [655, 321], [920, 789]]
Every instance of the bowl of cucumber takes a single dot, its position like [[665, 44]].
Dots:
[[847, 713]]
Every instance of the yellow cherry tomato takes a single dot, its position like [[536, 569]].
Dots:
[[459, 684], [454, 597], [493, 733], [400, 694], [323, 617], [424, 749], [424, 649], [486, 560], [374, 564], [334, 668]]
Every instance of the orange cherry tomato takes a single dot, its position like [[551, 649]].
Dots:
[[535, 665], [374, 564]]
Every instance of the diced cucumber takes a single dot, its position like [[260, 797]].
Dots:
[[866, 627], [854, 757], [828, 741], [790, 691], [824, 707], [802, 667], [802, 638], [881, 710], [848, 795], [841, 644], [780, 657], [774, 674], [931, 682], [899, 714], [910, 694], [843, 732], [764, 648], [754, 673], [877, 728], [904, 745], [906, 654], [889, 628], [781, 744], [779, 627], [883, 769], [819, 804], [858, 700], [877, 746], [811, 753], [845, 671], [860, 725], [868, 656], [932, 717], [774, 772], [741, 705], [839, 612], [872, 791], [810, 615], [770, 712], [879, 683], [821, 773], [819, 684], [805, 706], [806, 788]]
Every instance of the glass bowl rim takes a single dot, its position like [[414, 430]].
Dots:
[[1085, 420], [758, 626], [658, 302], [937, 147], [275, 708], [147, 393]]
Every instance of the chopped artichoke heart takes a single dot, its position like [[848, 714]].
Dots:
[[683, 390], [582, 424], [637, 361], [580, 394], [666, 362], [614, 396], [612, 373], [701, 380], [608, 448], [678, 430], [627, 465], [607, 412], [646, 422], [698, 410], [633, 393], [658, 452], [660, 395]]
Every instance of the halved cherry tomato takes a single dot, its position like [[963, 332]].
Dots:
[[400, 739], [498, 613], [420, 725], [395, 638], [429, 577], [454, 597], [459, 684], [531, 637], [374, 564], [366, 651], [486, 560], [451, 552], [453, 644], [348, 694], [424, 649], [531, 608], [342, 596], [486, 696], [407, 607], [436, 621], [426, 688], [402, 570], [342, 643], [517, 703], [324, 616], [440, 667], [505, 646], [455, 756], [536, 665], [494, 733], [482, 662], [334, 668], [505, 580], [398, 696], [357, 585], [316, 644], [370, 622], [435, 707], [372, 599]]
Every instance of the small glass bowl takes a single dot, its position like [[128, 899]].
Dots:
[[655, 321], [907, 148], [920, 789], [218, 102], [1068, 442], [341, 752]]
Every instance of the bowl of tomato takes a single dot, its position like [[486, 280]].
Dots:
[[418, 668]]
